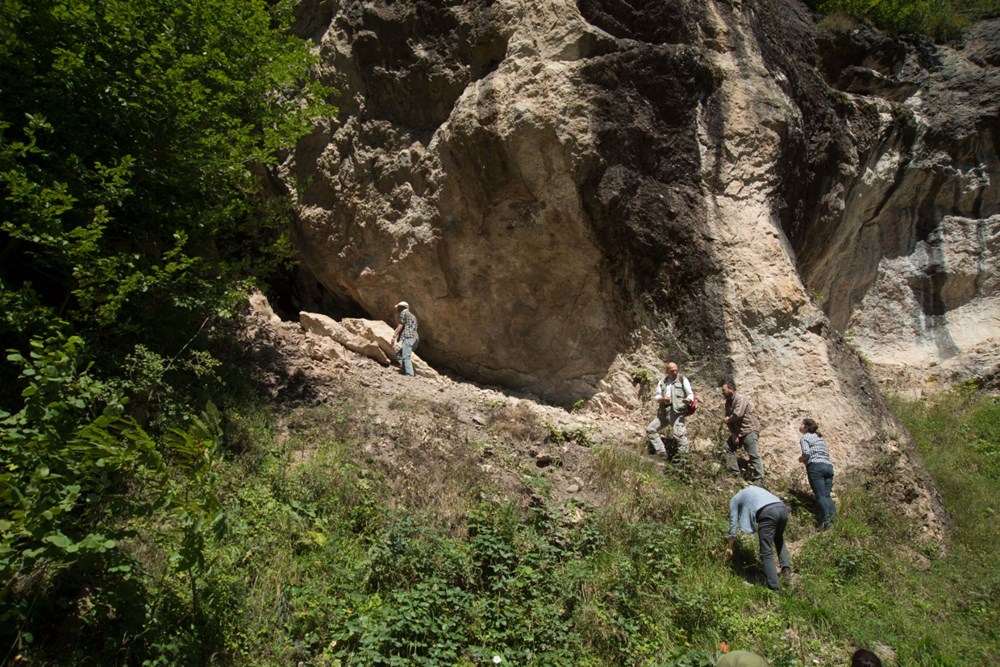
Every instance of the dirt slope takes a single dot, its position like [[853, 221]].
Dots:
[[429, 437]]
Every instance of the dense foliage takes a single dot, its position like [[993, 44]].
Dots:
[[131, 134], [325, 568], [134, 136], [642, 581], [936, 18], [322, 565]]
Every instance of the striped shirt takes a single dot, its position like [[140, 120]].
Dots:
[[409, 324], [814, 448]]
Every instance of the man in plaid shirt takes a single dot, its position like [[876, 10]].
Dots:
[[406, 332]]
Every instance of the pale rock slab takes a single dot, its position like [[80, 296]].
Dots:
[[321, 325], [366, 337]]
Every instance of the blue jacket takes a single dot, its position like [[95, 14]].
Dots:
[[744, 506]]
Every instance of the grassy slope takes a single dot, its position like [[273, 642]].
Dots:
[[324, 566]]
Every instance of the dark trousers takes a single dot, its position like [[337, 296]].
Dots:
[[749, 443], [821, 480], [771, 522]]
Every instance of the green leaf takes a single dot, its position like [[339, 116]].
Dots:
[[59, 540]]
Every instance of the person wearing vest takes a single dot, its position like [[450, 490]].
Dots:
[[673, 395]]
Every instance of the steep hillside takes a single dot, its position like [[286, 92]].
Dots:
[[437, 520], [436, 432], [568, 192]]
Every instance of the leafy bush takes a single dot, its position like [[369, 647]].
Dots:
[[134, 136], [578, 435], [644, 378], [75, 470], [65, 459], [937, 18]]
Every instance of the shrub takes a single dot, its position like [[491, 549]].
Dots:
[[645, 379], [937, 18], [76, 470], [519, 421]]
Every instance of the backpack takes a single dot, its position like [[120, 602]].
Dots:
[[693, 405]]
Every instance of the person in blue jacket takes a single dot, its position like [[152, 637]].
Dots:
[[757, 510]]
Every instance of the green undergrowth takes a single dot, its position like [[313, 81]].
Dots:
[[321, 565], [940, 19]]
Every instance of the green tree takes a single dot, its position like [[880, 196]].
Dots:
[[132, 139], [135, 138]]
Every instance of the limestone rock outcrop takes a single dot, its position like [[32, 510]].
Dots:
[[470, 175], [901, 245], [568, 192], [328, 327], [369, 338]]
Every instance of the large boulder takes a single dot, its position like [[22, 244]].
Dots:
[[322, 325], [370, 338]]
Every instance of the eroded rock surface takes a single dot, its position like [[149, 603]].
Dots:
[[526, 180], [566, 192], [902, 244]]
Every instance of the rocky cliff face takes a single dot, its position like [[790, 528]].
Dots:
[[566, 191], [527, 180], [901, 242]]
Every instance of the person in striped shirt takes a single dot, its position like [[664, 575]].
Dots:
[[819, 469], [406, 333]]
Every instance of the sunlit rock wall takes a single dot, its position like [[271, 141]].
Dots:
[[567, 191]]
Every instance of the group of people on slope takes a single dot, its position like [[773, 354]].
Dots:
[[674, 398], [753, 509]]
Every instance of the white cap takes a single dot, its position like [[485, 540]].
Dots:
[[402, 304]]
